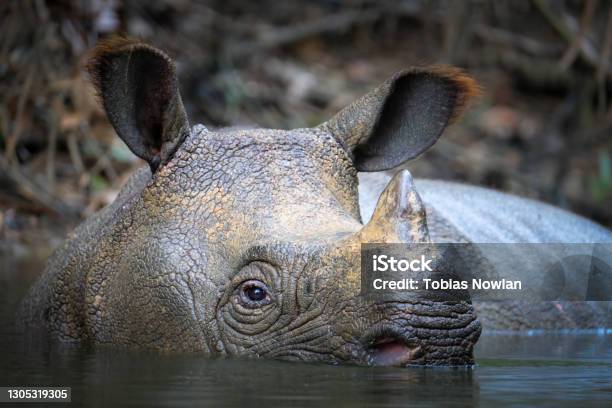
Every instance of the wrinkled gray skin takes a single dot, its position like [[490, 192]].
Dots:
[[246, 242]]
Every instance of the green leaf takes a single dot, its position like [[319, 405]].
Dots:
[[98, 183]]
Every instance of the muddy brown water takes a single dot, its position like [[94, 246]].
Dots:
[[513, 370]]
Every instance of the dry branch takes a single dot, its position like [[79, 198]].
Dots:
[[31, 191]]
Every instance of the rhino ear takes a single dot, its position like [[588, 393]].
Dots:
[[139, 90], [403, 117]]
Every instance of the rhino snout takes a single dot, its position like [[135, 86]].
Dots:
[[420, 334]]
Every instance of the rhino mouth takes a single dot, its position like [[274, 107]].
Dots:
[[391, 348]]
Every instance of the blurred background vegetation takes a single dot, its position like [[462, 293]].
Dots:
[[542, 129]]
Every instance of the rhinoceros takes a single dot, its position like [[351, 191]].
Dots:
[[246, 242]]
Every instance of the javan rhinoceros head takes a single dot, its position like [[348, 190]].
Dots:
[[247, 242]]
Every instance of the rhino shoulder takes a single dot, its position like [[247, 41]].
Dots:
[[64, 272]]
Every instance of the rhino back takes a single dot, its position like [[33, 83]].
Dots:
[[488, 216], [459, 213]]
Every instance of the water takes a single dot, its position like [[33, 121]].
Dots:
[[538, 368]]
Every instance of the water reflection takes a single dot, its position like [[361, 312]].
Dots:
[[236, 383]]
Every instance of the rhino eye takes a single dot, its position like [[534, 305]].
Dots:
[[254, 293]]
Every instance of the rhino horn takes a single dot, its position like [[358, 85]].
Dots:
[[399, 215]]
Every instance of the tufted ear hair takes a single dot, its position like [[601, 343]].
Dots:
[[402, 117], [138, 87]]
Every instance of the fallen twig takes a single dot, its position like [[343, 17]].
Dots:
[[287, 35], [585, 22], [509, 39], [587, 53]]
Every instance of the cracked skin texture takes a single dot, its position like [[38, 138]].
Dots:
[[172, 263], [159, 266]]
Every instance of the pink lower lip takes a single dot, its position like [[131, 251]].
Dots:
[[389, 352]]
